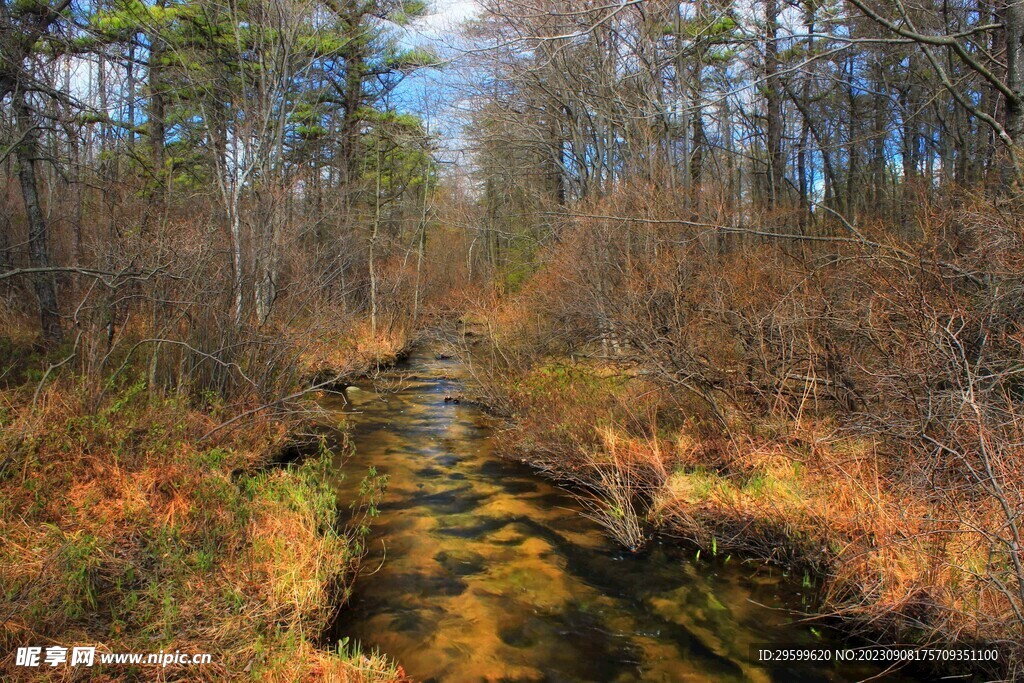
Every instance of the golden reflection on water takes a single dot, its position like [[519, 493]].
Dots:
[[488, 573]]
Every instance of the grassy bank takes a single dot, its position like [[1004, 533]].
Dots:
[[132, 525], [893, 564]]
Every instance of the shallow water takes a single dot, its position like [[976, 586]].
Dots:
[[489, 573]]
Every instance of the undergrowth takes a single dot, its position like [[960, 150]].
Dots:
[[126, 530], [800, 494]]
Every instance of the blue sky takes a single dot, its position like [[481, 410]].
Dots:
[[435, 94]]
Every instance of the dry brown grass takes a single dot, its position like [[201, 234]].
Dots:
[[123, 530], [349, 349], [893, 563], [848, 407]]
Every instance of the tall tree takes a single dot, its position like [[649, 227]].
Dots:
[[30, 32]]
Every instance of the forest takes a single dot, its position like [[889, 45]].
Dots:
[[745, 277]]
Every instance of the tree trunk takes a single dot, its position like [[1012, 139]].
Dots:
[[27, 152], [156, 113], [773, 96], [1014, 27], [354, 96]]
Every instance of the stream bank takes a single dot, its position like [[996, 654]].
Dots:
[[479, 569]]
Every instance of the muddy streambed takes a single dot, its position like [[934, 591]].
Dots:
[[487, 572]]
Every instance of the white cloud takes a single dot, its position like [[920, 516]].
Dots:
[[444, 18]]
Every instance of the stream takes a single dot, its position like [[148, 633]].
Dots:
[[487, 572]]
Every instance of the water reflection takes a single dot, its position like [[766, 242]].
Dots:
[[491, 574]]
